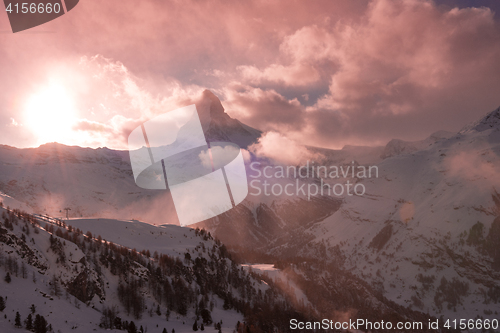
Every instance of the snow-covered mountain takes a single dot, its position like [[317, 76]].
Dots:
[[397, 147], [424, 235], [99, 182], [88, 275], [53, 177], [427, 232], [490, 122]]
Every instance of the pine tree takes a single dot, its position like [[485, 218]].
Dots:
[[158, 311], [195, 326], [164, 330], [2, 304], [33, 308], [29, 322], [173, 330], [118, 323], [36, 324], [17, 321], [55, 288], [132, 328], [202, 327], [206, 316], [7, 278], [40, 324]]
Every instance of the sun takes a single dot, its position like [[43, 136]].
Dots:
[[50, 115]]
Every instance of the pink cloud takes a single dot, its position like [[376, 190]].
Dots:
[[404, 69], [404, 49], [326, 73], [271, 110], [294, 75], [303, 51], [283, 150], [476, 168]]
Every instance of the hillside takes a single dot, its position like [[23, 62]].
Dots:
[[79, 281], [426, 232]]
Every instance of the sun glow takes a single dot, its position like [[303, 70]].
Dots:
[[50, 114]]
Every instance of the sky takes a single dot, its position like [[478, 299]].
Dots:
[[324, 73]]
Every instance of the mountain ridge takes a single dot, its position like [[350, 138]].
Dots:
[[489, 121]]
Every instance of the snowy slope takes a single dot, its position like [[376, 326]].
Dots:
[[417, 218], [171, 240], [8, 201], [281, 278], [397, 147], [89, 181], [99, 183], [72, 272]]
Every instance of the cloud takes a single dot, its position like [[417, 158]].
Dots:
[[405, 51], [305, 52], [475, 168], [326, 73], [112, 101], [404, 69], [283, 150], [91, 126], [13, 123], [218, 156], [264, 109], [296, 74]]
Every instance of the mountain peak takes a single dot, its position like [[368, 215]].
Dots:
[[491, 120], [209, 106], [216, 107], [219, 126]]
